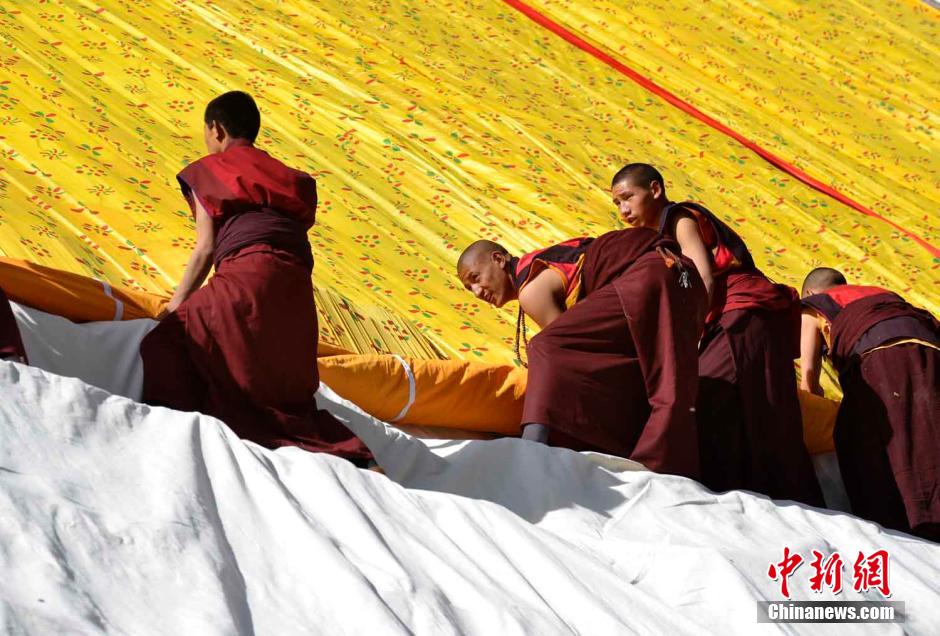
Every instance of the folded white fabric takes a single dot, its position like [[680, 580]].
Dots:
[[122, 518]]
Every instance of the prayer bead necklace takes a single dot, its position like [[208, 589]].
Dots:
[[521, 330]]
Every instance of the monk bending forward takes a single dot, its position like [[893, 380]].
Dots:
[[243, 348], [887, 433], [750, 427], [614, 368]]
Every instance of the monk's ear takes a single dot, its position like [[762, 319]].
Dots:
[[219, 132], [656, 189]]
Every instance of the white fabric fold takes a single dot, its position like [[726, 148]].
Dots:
[[122, 518]]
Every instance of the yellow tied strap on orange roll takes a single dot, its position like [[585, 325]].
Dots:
[[83, 299], [72, 296]]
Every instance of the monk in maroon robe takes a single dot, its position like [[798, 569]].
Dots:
[[750, 427], [887, 433], [243, 348], [11, 344], [614, 368]]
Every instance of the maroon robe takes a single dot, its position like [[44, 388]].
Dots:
[[243, 347], [617, 372], [864, 317], [11, 344], [750, 426], [748, 409], [887, 433]]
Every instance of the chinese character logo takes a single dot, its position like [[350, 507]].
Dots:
[[784, 569], [828, 573], [872, 572], [868, 573]]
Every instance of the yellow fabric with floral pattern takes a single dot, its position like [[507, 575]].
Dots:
[[431, 124]]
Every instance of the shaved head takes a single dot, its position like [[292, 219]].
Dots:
[[821, 279], [484, 269], [641, 174], [639, 194], [477, 249]]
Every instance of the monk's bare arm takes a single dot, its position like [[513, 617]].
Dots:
[[543, 298], [810, 354], [690, 240], [200, 261]]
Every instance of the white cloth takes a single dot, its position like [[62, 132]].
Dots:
[[123, 518], [104, 354], [118, 517]]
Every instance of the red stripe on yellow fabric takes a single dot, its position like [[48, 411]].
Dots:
[[778, 162]]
